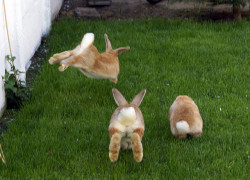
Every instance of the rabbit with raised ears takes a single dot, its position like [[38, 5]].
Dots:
[[185, 118], [89, 61], [126, 126]]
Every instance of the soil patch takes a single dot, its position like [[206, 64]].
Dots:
[[131, 9]]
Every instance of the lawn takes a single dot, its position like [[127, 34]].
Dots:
[[62, 131]]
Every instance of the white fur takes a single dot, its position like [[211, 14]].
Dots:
[[87, 39], [182, 127], [127, 115]]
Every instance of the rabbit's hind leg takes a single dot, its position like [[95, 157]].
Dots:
[[114, 80], [64, 64], [60, 56], [181, 136], [196, 134], [137, 146], [70, 61], [114, 147]]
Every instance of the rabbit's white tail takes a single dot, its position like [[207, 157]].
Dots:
[[182, 127], [127, 115], [87, 40]]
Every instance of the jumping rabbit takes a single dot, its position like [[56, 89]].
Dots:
[[126, 126], [89, 61], [185, 118]]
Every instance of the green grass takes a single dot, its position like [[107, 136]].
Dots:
[[69, 114]]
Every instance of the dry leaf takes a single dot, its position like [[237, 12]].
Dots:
[[2, 155]]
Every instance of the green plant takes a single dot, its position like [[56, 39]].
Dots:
[[13, 86]]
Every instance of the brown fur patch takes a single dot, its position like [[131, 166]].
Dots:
[[196, 134], [183, 112], [114, 147], [137, 147], [114, 80], [63, 55], [182, 136], [139, 131], [113, 157], [112, 131], [107, 65]]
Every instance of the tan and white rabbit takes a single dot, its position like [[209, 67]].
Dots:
[[185, 118], [89, 61], [126, 126]]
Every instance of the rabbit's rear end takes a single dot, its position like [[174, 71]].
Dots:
[[185, 118]]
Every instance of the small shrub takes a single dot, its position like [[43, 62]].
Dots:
[[14, 89]]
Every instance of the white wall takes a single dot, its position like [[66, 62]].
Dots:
[[28, 21]]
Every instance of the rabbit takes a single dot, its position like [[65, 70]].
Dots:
[[89, 61], [126, 126], [185, 118]]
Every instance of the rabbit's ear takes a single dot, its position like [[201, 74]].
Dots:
[[108, 44], [138, 98], [119, 99], [121, 50]]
